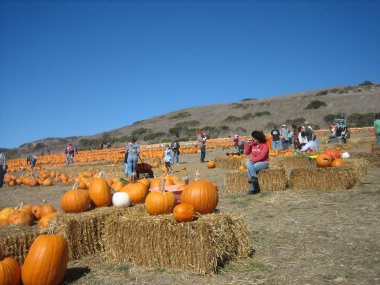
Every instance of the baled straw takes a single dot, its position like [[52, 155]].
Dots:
[[15, 241], [201, 246], [231, 163], [236, 181], [272, 180], [328, 178], [295, 161]]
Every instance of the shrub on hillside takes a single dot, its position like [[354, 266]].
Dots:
[[248, 99], [232, 119], [295, 121], [361, 120], [322, 93], [365, 83], [261, 114], [180, 115], [140, 132], [187, 124], [316, 104]]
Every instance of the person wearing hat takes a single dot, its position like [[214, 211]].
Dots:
[[284, 137]]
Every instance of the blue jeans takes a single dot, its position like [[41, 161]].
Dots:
[[285, 145], [69, 159], [378, 138], [276, 145], [203, 153], [175, 157], [131, 164], [253, 168], [126, 168]]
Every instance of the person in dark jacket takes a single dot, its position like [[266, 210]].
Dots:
[[3, 168]]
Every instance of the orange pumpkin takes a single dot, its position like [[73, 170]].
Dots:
[[20, 218], [36, 210], [100, 192], [137, 192], [46, 209], [6, 212], [75, 201], [323, 160], [44, 221], [202, 195], [161, 202], [211, 164], [184, 213], [339, 162], [333, 153], [46, 249], [10, 271]]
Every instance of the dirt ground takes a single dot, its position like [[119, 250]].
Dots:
[[303, 237]]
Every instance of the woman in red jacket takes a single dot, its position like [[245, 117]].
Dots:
[[259, 150]]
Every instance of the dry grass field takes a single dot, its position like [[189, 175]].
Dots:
[[297, 237]]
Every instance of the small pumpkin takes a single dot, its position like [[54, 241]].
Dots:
[[339, 162], [44, 221], [6, 212], [36, 210], [184, 213], [121, 199], [211, 164], [10, 271], [46, 249], [46, 208]]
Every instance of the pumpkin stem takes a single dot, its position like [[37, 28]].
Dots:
[[101, 174], [186, 179], [162, 185], [75, 186]]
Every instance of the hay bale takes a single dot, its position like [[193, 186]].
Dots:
[[360, 166], [272, 180], [231, 163], [160, 242], [16, 240], [268, 180], [236, 181], [329, 178], [295, 161], [84, 232]]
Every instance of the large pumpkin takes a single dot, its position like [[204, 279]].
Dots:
[[10, 271], [75, 201], [323, 160], [46, 262], [100, 193], [184, 212], [202, 195]]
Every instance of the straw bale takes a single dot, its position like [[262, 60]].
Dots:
[[200, 246], [84, 232], [236, 181], [360, 166], [295, 161], [231, 163], [272, 180], [329, 178], [16, 240]]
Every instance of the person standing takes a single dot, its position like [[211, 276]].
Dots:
[[284, 137], [276, 143], [202, 144], [259, 160], [175, 151], [236, 142], [311, 137], [133, 150], [167, 159], [3, 168], [295, 140], [69, 154], [33, 161], [376, 124]]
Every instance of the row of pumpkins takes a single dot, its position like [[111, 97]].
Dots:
[[198, 196], [331, 158]]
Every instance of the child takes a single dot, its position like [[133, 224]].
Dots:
[[167, 159]]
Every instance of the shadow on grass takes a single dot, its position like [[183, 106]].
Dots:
[[74, 274]]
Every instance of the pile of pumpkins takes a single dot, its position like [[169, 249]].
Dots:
[[331, 158], [27, 215]]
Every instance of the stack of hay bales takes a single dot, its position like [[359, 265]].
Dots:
[[269, 180], [329, 178], [231, 163], [359, 166], [160, 242], [84, 232], [15, 241]]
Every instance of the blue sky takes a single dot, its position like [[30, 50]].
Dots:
[[72, 68]]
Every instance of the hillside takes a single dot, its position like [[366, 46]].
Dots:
[[357, 103]]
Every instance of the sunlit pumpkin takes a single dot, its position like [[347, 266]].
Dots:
[[184, 213], [46, 262], [100, 192], [75, 201], [10, 271], [323, 160], [161, 202], [211, 164], [44, 221]]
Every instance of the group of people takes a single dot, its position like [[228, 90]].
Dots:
[[302, 138]]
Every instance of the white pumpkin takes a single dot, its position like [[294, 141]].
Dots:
[[121, 199], [345, 155]]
